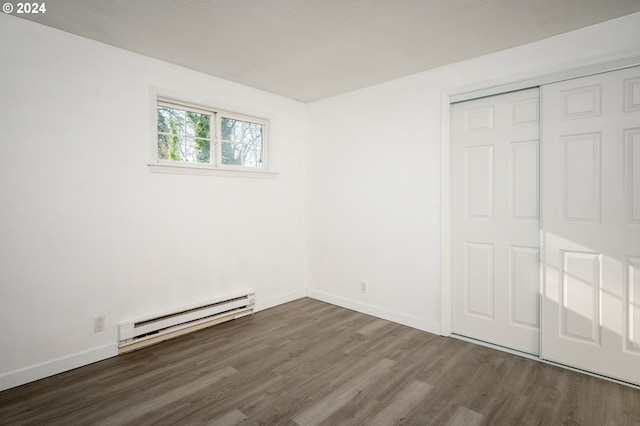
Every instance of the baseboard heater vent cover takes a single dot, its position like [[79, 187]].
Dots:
[[154, 329]]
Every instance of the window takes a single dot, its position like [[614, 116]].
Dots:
[[189, 137]]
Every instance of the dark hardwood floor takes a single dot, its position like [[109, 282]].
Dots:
[[310, 363]]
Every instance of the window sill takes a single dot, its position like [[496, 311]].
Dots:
[[183, 169]]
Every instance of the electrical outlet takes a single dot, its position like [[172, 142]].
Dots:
[[363, 287], [98, 324]]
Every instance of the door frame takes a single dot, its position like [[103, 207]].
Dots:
[[552, 74]]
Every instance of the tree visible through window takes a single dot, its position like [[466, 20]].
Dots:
[[241, 143], [183, 135]]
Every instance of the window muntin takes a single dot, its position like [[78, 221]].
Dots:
[[192, 136]]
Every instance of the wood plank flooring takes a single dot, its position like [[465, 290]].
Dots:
[[311, 363]]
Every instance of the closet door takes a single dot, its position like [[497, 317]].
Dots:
[[591, 223], [496, 219]]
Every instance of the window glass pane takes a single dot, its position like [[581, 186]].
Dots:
[[231, 153], [163, 119], [176, 149], [198, 150], [183, 135], [241, 142], [198, 125], [163, 147], [172, 120], [253, 157]]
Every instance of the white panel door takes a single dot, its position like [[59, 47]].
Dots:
[[496, 219], [591, 223]]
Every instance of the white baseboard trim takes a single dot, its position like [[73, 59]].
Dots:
[[408, 320], [40, 371], [56, 366], [262, 304]]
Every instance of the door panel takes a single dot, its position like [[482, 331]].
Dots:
[[479, 188], [632, 175], [580, 296], [591, 231], [479, 280], [632, 333], [524, 286], [524, 181], [580, 177], [496, 219]]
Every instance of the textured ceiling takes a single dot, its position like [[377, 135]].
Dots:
[[313, 49]]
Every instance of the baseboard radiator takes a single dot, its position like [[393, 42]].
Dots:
[[154, 329]]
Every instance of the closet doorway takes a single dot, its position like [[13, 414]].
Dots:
[[557, 168]]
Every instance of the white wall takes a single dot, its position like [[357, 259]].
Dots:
[[374, 175], [86, 229]]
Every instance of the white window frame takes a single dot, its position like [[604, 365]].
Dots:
[[215, 167]]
